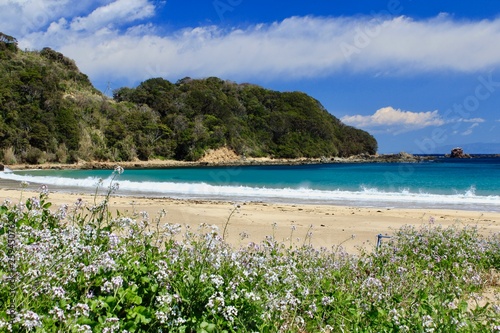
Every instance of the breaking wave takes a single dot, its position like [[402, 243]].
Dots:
[[364, 196]]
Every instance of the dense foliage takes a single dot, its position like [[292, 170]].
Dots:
[[49, 111], [254, 121], [78, 269]]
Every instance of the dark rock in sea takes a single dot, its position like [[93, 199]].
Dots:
[[458, 153], [2, 168]]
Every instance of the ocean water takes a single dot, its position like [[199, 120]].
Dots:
[[468, 184]]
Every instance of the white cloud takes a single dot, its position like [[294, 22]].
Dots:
[[395, 121], [472, 120], [469, 130], [119, 11], [294, 48], [466, 120], [21, 17]]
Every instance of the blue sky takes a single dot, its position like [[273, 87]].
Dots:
[[420, 76]]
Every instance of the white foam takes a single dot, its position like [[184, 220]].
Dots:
[[364, 196]]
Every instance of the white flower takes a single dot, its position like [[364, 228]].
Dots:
[[6, 325], [31, 320], [62, 212], [44, 190], [217, 280], [58, 292], [164, 300], [327, 300], [401, 270], [162, 317], [428, 323], [114, 240], [251, 296], [216, 303], [79, 203], [371, 283], [229, 313], [107, 287], [81, 310], [172, 229], [114, 187], [119, 170], [35, 203], [83, 328], [57, 313], [117, 281]]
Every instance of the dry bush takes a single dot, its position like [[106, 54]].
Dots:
[[9, 157], [62, 153]]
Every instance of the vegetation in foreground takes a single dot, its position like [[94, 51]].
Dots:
[[50, 112], [80, 269]]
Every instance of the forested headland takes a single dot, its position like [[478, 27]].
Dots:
[[50, 112]]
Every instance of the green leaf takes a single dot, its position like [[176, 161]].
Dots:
[[85, 321], [137, 300], [110, 300]]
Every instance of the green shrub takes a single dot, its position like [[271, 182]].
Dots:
[[34, 156], [78, 268]]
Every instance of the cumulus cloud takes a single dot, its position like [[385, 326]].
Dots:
[[395, 121], [22, 17], [113, 38]]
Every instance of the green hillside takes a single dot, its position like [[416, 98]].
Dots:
[[50, 112]]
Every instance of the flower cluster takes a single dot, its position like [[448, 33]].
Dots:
[[77, 271]]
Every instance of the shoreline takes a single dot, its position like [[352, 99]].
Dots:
[[368, 201], [330, 225], [228, 160], [234, 161], [15, 185]]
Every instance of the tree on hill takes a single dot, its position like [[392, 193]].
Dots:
[[8, 42], [49, 111], [249, 119]]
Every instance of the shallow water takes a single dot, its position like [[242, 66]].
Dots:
[[469, 184]]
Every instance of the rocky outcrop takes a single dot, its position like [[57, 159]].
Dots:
[[2, 168], [220, 155], [458, 153], [401, 157]]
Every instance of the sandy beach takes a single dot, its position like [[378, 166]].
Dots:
[[330, 225]]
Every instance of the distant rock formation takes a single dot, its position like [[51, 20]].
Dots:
[[458, 153]]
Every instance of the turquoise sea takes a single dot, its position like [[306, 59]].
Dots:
[[469, 184]]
